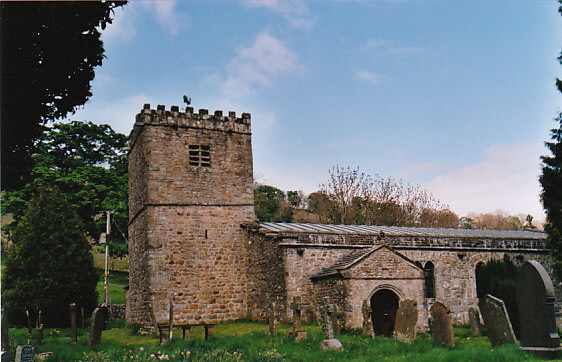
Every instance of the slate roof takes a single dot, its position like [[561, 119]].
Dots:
[[271, 227]]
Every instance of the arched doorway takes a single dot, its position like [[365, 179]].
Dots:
[[384, 304]]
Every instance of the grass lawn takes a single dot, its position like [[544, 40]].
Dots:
[[115, 264], [250, 341], [117, 280]]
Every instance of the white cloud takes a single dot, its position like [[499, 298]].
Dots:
[[166, 14], [122, 28], [256, 66], [294, 11], [507, 179], [368, 77]]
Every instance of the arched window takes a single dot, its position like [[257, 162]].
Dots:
[[429, 276]]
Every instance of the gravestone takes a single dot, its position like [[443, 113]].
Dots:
[[474, 321], [96, 327], [25, 353], [4, 333], [336, 319], [153, 319], [297, 309], [329, 343], [272, 320], [535, 299], [442, 325], [164, 333], [366, 311], [73, 326], [406, 320], [496, 320]]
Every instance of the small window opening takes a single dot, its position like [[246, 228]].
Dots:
[[200, 155], [429, 276], [206, 234]]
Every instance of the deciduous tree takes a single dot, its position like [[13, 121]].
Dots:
[[49, 52], [88, 164]]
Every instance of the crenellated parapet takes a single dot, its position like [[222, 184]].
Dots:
[[203, 120]]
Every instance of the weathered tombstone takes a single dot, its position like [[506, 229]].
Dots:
[[496, 320], [5, 348], [96, 327], [153, 319], [297, 309], [272, 320], [73, 327], [366, 311], [164, 333], [406, 320], [535, 299], [329, 343], [474, 320], [442, 325], [336, 319], [25, 353]]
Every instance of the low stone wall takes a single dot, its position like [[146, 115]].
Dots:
[[116, 311]]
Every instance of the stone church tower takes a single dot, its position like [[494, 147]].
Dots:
[[190, 189]]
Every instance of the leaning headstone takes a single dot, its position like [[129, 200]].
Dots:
[[535, 299], [406, 320], [496, 320], [73, 327], [442, 325], [329, 343], [297, 309], [366, 311], [25, 353], [474, 321], [96, 327]]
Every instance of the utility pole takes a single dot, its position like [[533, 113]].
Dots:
[[107, 233]]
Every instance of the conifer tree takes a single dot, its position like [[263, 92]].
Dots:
[[551, 181], [49, 265]]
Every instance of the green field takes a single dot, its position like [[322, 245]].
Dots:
[[250, 341]]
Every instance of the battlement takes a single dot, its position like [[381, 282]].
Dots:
[[203, 120]]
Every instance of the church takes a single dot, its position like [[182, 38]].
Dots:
[[194, 240]]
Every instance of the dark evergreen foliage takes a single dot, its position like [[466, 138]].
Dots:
[[50, 264], [551, 182], [498, 279], [49, 52]]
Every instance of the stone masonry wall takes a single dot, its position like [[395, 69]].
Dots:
[[266, 279], [191, 188], [300, 265]]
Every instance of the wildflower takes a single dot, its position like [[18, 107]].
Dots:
[[142, 349]]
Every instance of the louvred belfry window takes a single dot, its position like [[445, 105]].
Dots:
[[200, 155]]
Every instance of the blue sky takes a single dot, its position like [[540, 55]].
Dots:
[[457, 96]]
